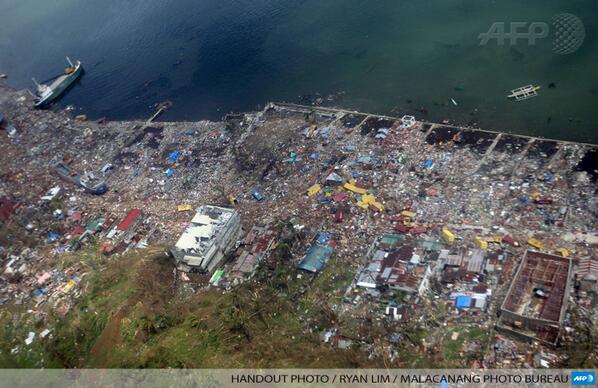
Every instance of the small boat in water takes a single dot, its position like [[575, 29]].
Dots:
[[46, 93], [88, 181], [524, 92]]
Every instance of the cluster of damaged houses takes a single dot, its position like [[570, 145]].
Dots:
[[533, 308]]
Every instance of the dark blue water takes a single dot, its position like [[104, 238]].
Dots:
[[210, 57]]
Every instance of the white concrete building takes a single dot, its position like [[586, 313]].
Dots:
[[209, 237]]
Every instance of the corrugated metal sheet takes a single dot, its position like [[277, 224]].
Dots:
[[317, 254], [476, 261], [129, 219]]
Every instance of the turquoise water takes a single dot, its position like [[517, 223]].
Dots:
[[210, 57]]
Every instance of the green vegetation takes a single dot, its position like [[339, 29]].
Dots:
[[130, 314], [453, 350]]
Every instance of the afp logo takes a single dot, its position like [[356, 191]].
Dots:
[[583, 378], [567, 33]]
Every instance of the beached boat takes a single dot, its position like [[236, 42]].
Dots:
[[46, 93], [88, 181], [524, 92]]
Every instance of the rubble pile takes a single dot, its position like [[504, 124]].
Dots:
[[471, 202]]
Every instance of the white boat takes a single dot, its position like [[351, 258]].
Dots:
[[46, 93], [524, 92]]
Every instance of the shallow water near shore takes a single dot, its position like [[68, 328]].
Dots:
[[394, 57]]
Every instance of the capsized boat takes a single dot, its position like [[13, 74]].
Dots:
[[46, 93], [88, 181], [524, 92]]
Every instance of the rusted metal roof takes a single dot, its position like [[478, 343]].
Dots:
[[129, 219]]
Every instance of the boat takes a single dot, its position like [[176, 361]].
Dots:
[[524, 92], [88, 181], [46, 93]]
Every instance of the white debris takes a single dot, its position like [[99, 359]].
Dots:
[[30, 338]]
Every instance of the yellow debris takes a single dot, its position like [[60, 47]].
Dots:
[[313, 190], [535, 243], [363, 205], [377, 205], [184, 208], [481, 243], [69, 286], [563, 251], [407, 213], [494, 239], [368, 199], [231, 199], [355, 189], [448, 235], [535, 194], [81, 117]]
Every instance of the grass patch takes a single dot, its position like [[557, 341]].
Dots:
[[129, 315]]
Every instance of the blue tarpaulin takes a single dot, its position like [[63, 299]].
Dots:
[[463, 302], [428, 163], [322, 238], [169, 172], [257, 196], [53, 236], [174, 155]]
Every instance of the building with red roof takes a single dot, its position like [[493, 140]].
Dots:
[[131, 218]]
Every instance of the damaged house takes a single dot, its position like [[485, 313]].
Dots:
[[395, 265]]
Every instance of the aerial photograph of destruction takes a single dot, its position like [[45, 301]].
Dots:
[[299, 193]]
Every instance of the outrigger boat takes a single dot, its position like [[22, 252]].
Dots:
[[524, 92], [47, 93], [88, 181]]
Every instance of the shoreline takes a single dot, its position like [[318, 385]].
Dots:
[[329, 109]]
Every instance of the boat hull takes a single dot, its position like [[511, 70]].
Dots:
[[68, 80], [66, 174]]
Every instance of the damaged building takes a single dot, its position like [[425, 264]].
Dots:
[[395, 264], [209, 237], [318, 253], [254, 248], [535, 305]]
